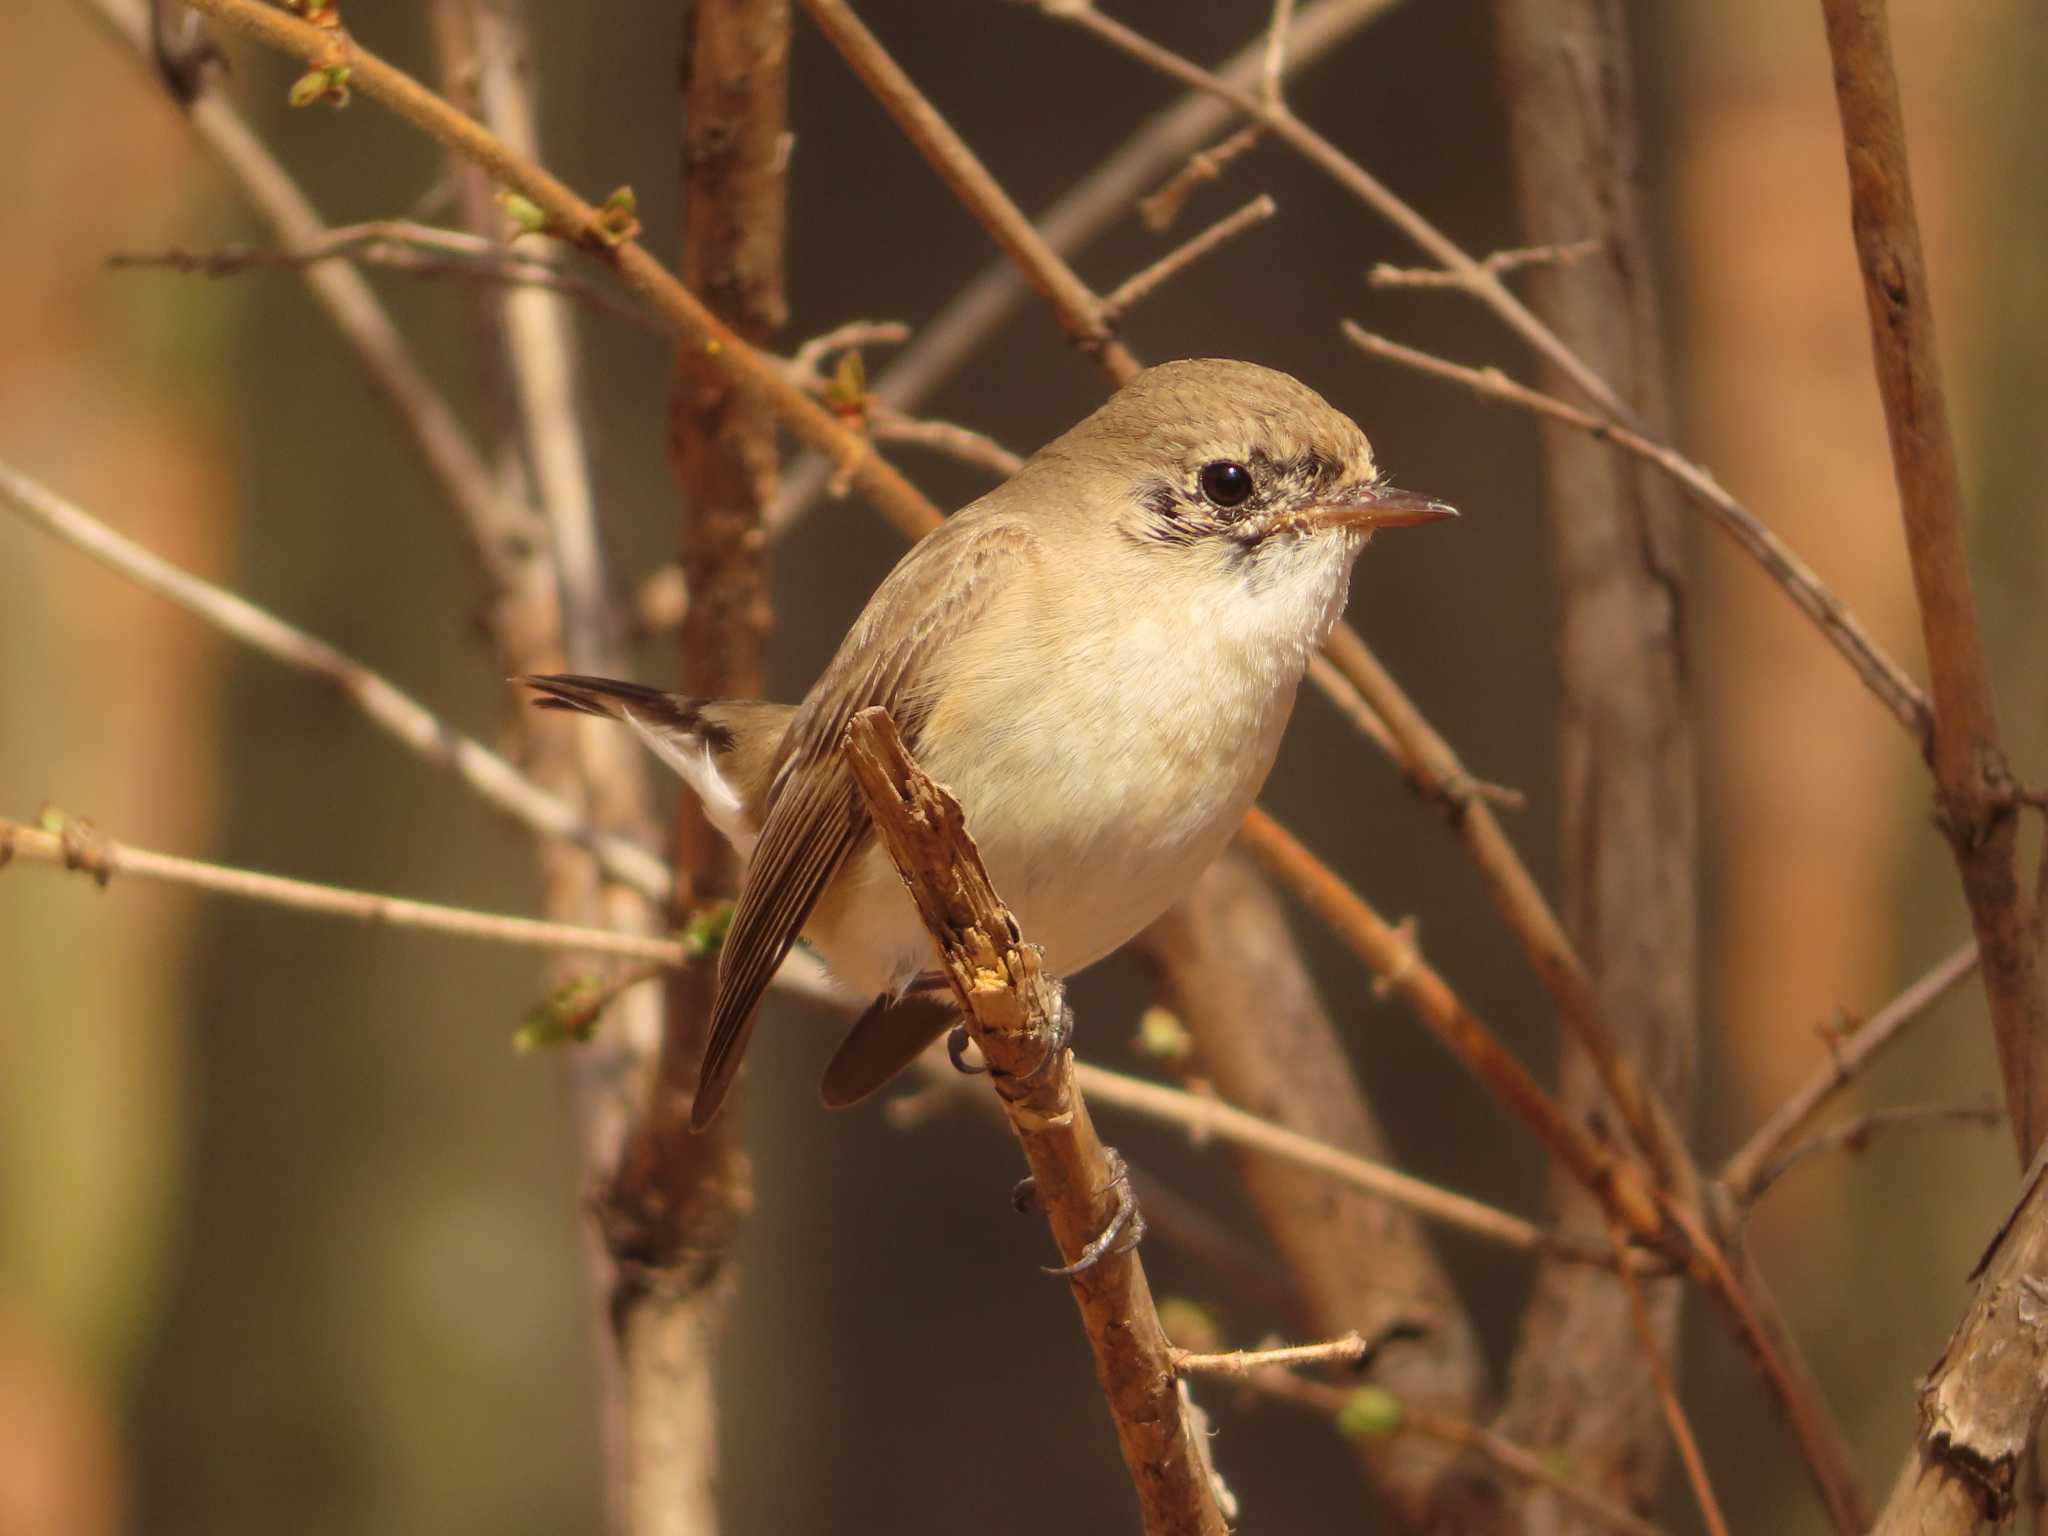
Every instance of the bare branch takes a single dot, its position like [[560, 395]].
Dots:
[[1667, 1400], [1387, 275], [77, 845], [1136, 288], [397, 245], [1079, 310], [1353, 1349], [1355, 179], [1977, 796], [1847, 1055], [1159, 209], [1276, 54], [585, 226], [1883, 676], [396, 712], [1854, 1135], [1205, 1117], [1015, 1014]]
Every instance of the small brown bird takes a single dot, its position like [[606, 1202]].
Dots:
[[1098, 657]]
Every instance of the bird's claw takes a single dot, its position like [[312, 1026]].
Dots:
[[956, 1051], [1126, 1225]]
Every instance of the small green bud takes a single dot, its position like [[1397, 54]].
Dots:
[[570, 1013], [618, 220], [705, 932], [1370, 1413], [1162, 1036], [523, 211]]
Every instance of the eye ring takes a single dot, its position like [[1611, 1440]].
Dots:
[[1226, 484]]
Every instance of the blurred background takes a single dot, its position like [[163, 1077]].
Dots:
[[288, 1232]]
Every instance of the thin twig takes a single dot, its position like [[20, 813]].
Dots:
[[387, 706], [1276, 54], [1538, 1468], [1354, 178], [1352, 1349], [76, 845], [962, 444], [1159, 209], [1975, 788], [397, 245], [1387, 275], [807, 363], [1667, 1399], [1882, 675], [1079, 310], [1854, 1135], [1015, 1014], [1847, 1054], [584, 225], [1135, 289], [1204, 1117]]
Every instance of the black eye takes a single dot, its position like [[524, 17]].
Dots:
[[1227, 484]]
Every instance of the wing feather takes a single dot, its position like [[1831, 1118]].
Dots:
[[816, 820]]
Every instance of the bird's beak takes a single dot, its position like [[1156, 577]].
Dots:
[[1381, 506]]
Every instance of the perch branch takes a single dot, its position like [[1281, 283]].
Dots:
[[1974, 788], [1014, 1012]]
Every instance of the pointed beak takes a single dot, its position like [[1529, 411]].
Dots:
[[1382, 506]]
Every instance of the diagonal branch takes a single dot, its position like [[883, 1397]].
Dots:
[[1016, 1016]]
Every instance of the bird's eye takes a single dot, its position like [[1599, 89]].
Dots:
[[1226, 483]]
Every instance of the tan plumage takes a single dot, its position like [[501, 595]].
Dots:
[[1098, 656]]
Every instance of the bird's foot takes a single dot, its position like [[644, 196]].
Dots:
[[1126, 1225]]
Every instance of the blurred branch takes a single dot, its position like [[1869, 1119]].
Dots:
[[1387, 275], [1975, 789], [401, 716], [1160, 208], [1847, 1054], [77, 845], [1136, 288], [1883, 676], [1017, 1018], [397, 245], [1854, 1135]]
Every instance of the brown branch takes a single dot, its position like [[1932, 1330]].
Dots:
[[1135, 289], [1847, 1054], [1078, 308], [1980, 1407], [1882, 675], [585, 226], [1353, 1349], [1974, 787], [1854, 1135], [1015, 1014]]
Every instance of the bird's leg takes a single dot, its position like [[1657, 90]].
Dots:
[[956, 1051], [1126, 1223]]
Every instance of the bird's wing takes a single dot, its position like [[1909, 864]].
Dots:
[[816, 818]]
